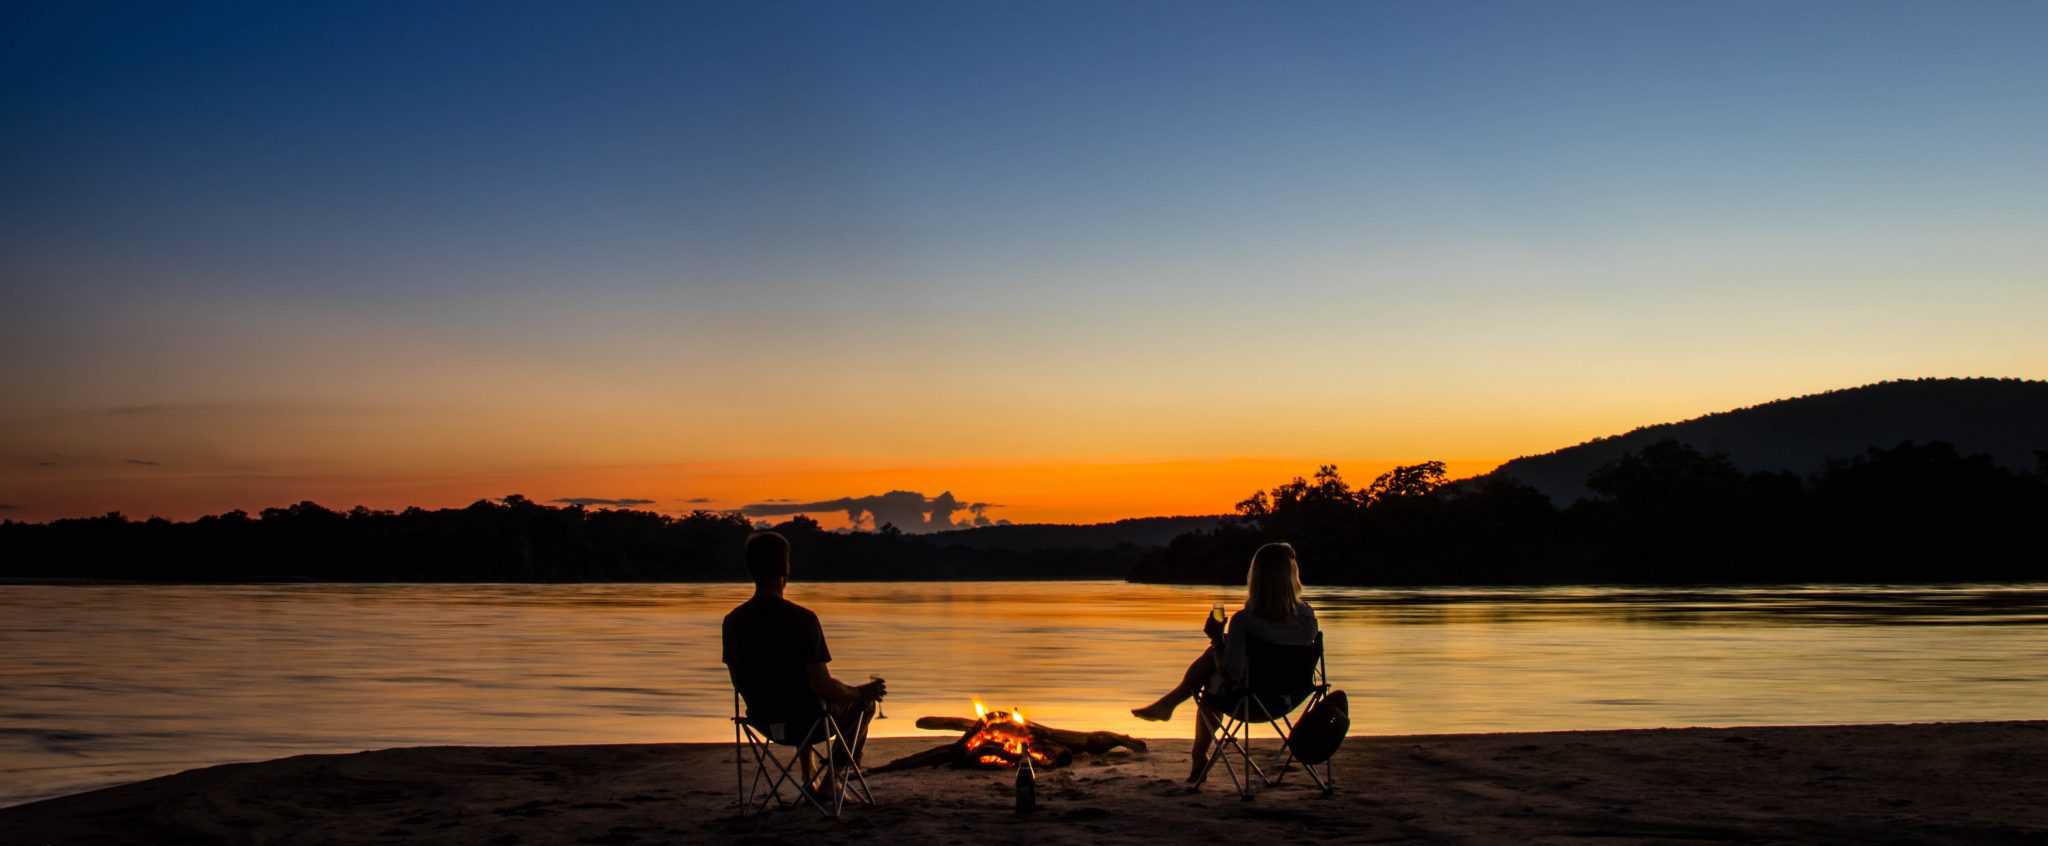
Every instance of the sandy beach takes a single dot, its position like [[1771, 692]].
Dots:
[[1955, 782]]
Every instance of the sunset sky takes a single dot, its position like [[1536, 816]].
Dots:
[[1081, 262]]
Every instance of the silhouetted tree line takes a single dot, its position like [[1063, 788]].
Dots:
[[1667, 514], [510, 540], [1918, 512]]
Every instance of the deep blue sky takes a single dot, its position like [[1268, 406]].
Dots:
[[1027, 230]]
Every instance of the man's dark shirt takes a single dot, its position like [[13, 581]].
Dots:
[[770, 643]]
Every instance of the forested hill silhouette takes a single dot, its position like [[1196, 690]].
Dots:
[[2005, 419], [1667, 514]]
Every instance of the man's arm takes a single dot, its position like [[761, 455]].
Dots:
[[837, 692], [824, 685]]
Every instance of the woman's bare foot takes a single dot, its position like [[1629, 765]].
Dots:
[[1158, 712], [821, 786]]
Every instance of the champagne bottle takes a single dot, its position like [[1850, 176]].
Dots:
[[1027, 788]]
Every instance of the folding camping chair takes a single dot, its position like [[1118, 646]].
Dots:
[[1280, 678], [756, 738]]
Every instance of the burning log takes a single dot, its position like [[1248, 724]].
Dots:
[[996, 755], [937, 756], [1091, 742], [1005, 739]]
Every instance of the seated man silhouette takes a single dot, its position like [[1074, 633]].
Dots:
[[775, 651]]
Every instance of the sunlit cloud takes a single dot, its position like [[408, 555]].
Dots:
[[588, 501], [909, 511]]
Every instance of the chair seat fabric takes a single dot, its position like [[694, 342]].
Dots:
[[788, 729], [1227, 701], [1282, 675], [1280, 678]]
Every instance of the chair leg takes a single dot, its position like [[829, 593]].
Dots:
[[860, 778], [1220, 749], [783, 776], [1227, 739], [1283, 728], [837, 787], [1244, 747], [843, 770], [836, 764], [1236, 732], [764, 763], [1240, 741], [1219, 729], [1326, 780], [823, 725], [750, 787]]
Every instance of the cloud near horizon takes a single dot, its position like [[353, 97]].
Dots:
[[586, 501], [910, 511]]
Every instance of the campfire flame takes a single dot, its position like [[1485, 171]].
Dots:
[[1003, 739]]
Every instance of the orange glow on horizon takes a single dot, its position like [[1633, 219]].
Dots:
[[1036, 492]]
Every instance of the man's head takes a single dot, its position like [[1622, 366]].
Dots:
[[768, 561]]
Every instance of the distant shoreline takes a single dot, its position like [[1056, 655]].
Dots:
[[1928, 782], [58, 582], [6, 581]]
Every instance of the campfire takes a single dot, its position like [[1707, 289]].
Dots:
[[1005, 739]]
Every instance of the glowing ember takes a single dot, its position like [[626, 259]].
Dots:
[[1003, 739]]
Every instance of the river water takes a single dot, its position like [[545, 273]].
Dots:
[[106, 684]]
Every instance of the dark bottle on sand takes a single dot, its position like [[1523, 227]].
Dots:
[[1027, 789]]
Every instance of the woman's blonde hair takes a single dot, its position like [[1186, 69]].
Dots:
[[1273, 587]]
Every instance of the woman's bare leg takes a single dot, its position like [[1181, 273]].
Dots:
[[1198, 674], [1205, 730]]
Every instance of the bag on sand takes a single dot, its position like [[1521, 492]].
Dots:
[[1321, 729]]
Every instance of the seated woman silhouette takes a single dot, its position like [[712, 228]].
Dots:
[[1273, 613]]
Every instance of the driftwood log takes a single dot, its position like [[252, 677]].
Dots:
[[1091, 742], [1060, 744]]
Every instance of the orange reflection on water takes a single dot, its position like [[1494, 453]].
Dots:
[[114, 683]]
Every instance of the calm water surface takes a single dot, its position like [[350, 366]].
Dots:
[[105, 684]]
